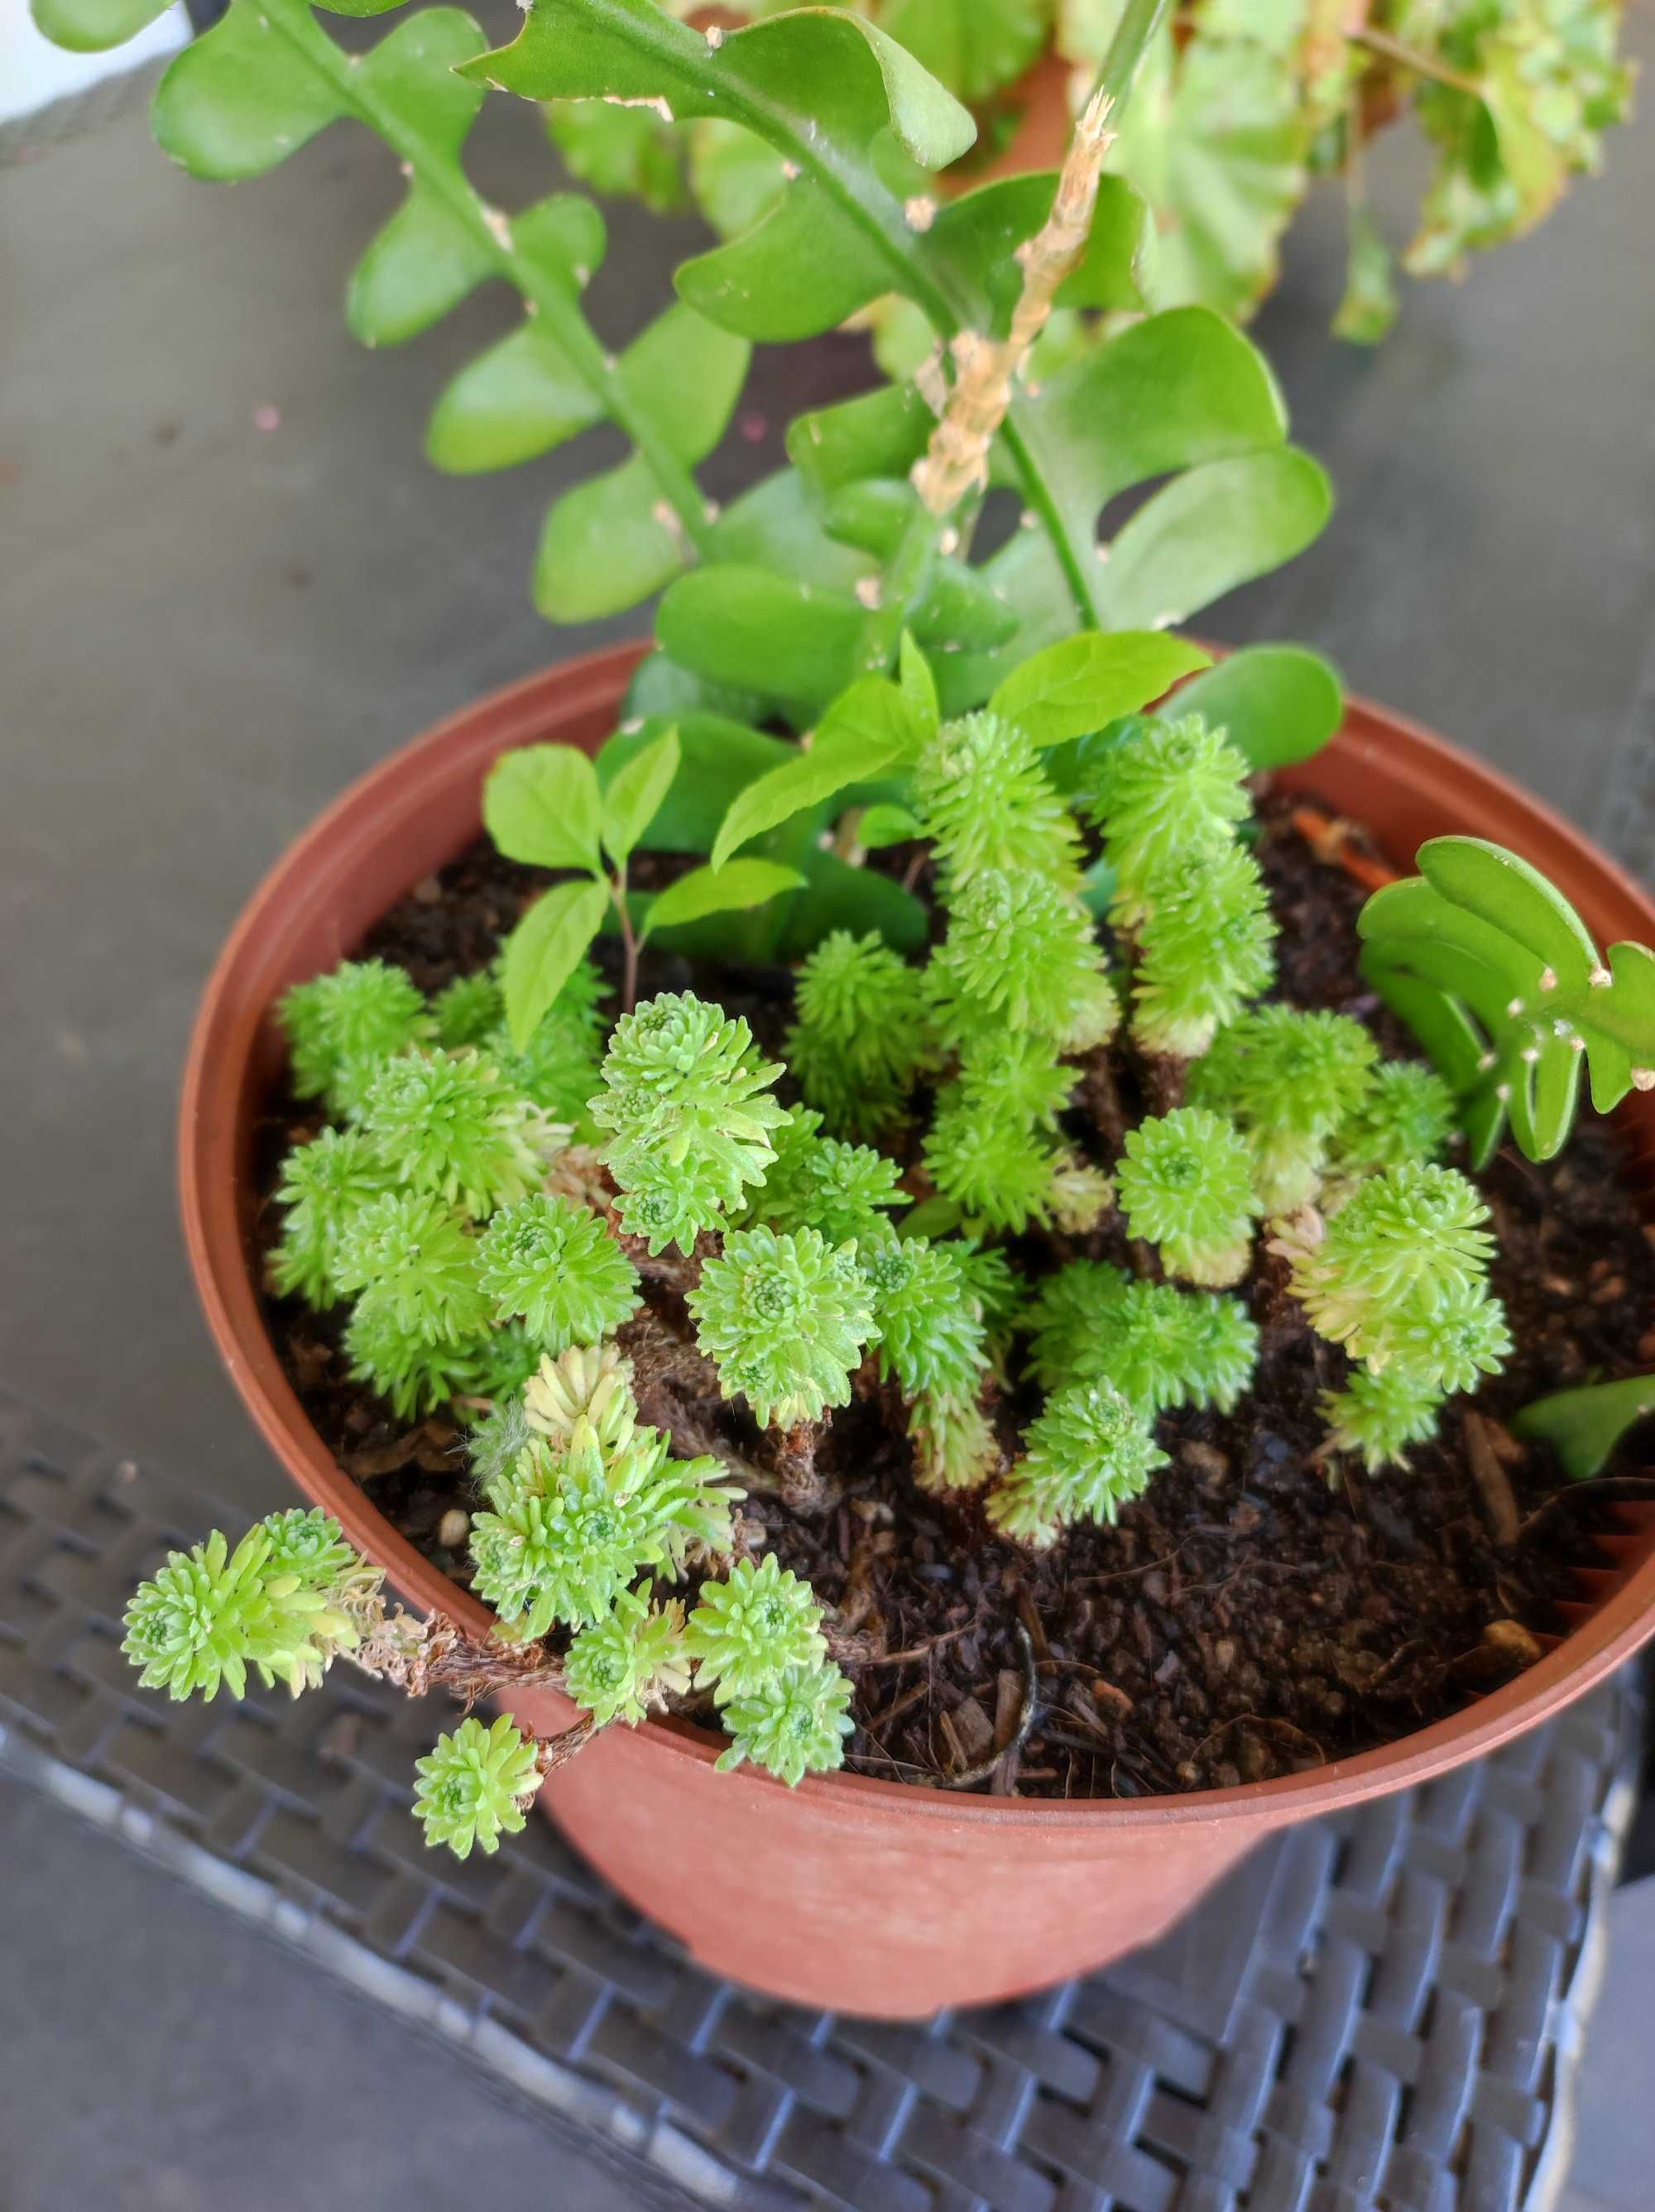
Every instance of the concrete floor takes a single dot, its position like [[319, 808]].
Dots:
[[207, 627]]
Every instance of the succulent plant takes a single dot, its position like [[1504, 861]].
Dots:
[[1205, 947], [325, 1184], [1164, 791], [343, 1026], [794, 1724], [1185, 1186], [1288, 1081], [420, 1261], [855, 1044], [1089, 1452], [457, 1130], [476, 1785], [931, 1336], [750, 1628], [1159, 1346], [558, 1266], [1409, 1238], [1018, 949], [785, 1317], [985, 802], [1379, 1416], [468, 1011], [686, 1098], [1406, 1118], [633, 1659], [844, 1191]]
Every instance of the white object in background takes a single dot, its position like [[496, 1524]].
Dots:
[[33, 72]]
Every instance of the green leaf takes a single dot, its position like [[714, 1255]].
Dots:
[[541, 805], [626, 150], [687, 374], [634, 794], [1215, 139], [524, 395], [541, 952], [1480, 946], [424, 261], [919, 687], [1209, 531], [779, 77], [753, 628], [1584, 1426], [879, 826], [976, 237], [801, 269], [737, 178], [868, 732], [240, 98], [780, 525], [732, 889], [1074, 688], [1368, 308], [879, 434], [1173, 391], [427, 257], [92, 27], [838, 896], [605, 545], [519, 399], [718, 757], [973, 46], [1279, 703]]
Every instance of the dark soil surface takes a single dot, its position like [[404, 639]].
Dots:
[[1250, 1616]]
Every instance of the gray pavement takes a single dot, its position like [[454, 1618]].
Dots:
[[207, 627]]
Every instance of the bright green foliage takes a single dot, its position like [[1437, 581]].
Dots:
[[557, 1265], [986, 802], [1204, 950], [631, 1660], [785, 1318], [1397, 1277], [1287, 1080], [342, 1027], [1165, 791], [281, 1603], [1089, 1453], [1405, 1118], [468, 1012], [1503, 984], [413, 1371], [685, 1097], [992, 1168], [455, 1127], [476, 1786], [1406, 1240], [842, 1191], [1159, 1346], [503, 1361], [993, 1281], [1013, 1076], [420, 1261], [1381, 1415], [1584, 1426], [567, 1535], [1018, 949], [558, 1067], [794, 1724], [748, 1630], [1184, 1184], [931, 1335], [857, 1042], [325, 1184], [955, 1447]]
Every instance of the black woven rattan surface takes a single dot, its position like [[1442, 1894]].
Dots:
[[1376, 2015]]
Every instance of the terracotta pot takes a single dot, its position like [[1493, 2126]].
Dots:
[[858, 1894]]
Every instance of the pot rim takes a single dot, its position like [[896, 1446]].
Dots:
[[228, 1024]]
